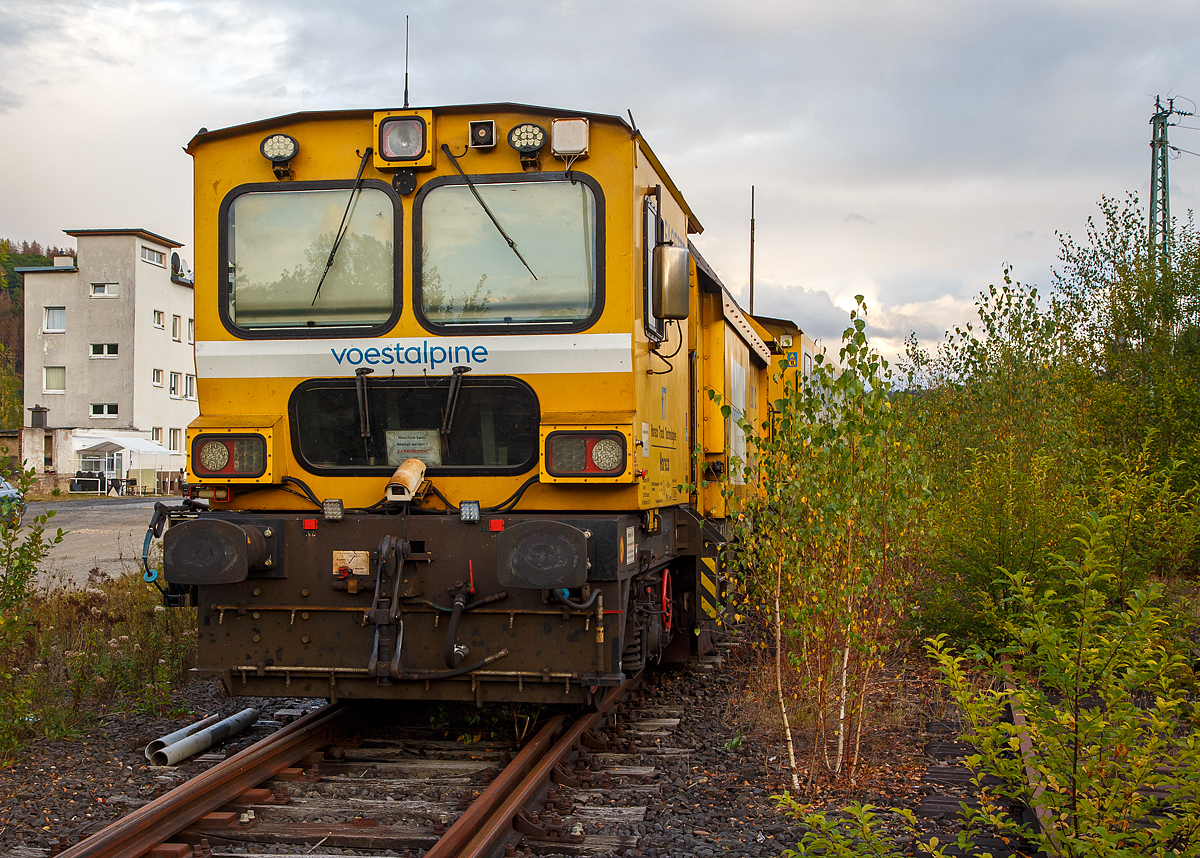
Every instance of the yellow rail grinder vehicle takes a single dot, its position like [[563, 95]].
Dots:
[[455, 425]]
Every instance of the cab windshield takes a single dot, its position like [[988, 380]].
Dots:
[[469, 275], [494, 430], [279, 243]]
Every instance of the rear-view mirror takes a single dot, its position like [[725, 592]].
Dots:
[[670, 282]]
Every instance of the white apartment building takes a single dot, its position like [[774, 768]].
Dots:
[[110, 368]]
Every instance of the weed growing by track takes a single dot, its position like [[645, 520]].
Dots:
[[68, 655], [828, 514]]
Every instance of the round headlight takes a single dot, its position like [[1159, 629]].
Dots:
[[527, 137], [279, 148], [606, 454], [214, 456]]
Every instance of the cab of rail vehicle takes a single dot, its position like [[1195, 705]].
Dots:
[[455, 430]]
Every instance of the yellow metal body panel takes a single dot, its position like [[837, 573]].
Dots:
[[792, 354], [663, 457], [328, 145], [661, 404], [269, 426]]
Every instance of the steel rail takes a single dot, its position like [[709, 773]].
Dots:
[[451, 843], [161, 819], [1042, 817], [482, 832]]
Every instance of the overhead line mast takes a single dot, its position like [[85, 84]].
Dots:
[[1160, 196]]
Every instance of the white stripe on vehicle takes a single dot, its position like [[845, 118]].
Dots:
[[532, 354]]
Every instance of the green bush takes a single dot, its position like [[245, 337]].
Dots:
[[1154, 526], [998, 431], [22, 549], [865, 831], [1104, 690]]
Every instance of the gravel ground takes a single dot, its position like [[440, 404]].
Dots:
[[717, 800], [62, 790], [714, 800]]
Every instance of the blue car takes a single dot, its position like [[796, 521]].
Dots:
[[12, 504]]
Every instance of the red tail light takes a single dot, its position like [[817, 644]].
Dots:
[[573, 454], [229, 455]]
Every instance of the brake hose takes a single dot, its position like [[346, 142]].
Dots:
[[154, 530], [452, 653], [562, 595]]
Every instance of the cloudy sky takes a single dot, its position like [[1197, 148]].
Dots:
[[902, 149]]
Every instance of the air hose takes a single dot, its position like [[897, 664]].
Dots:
[[562, 596], [452, 652]]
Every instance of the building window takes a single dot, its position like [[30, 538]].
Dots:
[[104, 290], [174, 445], [156, 434], [158, 378], [104, 409], [189, 387], [104, 350], [48, 451], [55, 321], [176, 381], [176, 325], [154, 257], [54, 379], [191, 330], [158, 318]]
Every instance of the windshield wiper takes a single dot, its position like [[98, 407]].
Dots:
[[452, 397], [512, 244], [364, 407], [344, 225]]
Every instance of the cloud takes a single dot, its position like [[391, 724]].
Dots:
[[812, 309], [902, 150]]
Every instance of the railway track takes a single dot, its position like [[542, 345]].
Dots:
[[342, 778]]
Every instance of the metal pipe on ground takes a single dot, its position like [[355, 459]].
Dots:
[[182, 733], [134, 835], [205, 738]]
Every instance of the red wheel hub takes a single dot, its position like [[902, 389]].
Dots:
[[668, 604]]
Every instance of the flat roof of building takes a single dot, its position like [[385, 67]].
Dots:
[[138, 231], [29, 269]]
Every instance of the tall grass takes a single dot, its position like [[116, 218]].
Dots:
[[67, 655]]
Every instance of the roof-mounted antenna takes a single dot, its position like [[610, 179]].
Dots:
[[752, 250], [405, 62]]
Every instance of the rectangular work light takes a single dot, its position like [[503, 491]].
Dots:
[[404, 138]]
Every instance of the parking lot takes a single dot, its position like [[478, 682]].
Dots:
[[105, 534]]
